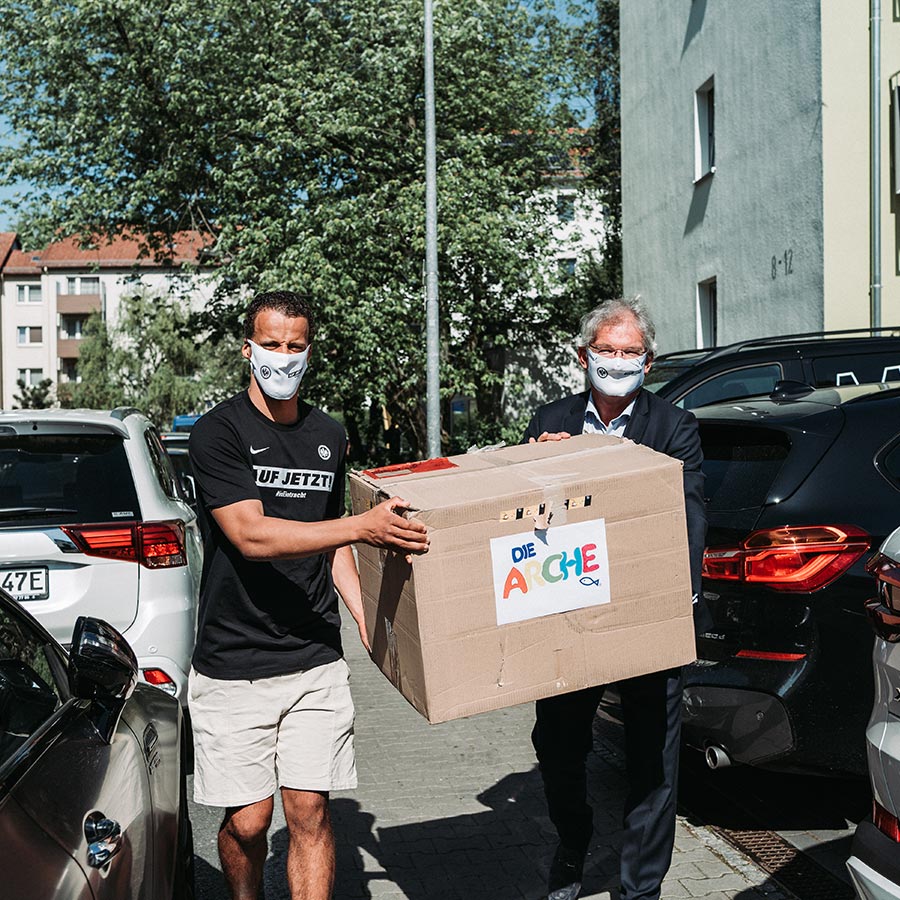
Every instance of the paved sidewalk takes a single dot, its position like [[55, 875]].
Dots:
[[457, 811]]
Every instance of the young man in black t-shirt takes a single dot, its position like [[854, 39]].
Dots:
[[269, 692]]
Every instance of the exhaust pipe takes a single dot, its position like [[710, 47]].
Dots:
[[717, 758]]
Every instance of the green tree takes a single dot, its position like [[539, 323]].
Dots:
[[35, 396], [151, 359], [294, 133], [597, 59]]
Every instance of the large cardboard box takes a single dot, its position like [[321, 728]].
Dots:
[[552, 567]]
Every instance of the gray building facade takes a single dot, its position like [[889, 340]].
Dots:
[[745, 168]]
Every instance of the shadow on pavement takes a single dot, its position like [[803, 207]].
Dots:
[[744, 797], [502, 852]]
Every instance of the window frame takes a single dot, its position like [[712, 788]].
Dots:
[[27, 290], [705, 130], [26, 376], [28, 329], [708, 301]]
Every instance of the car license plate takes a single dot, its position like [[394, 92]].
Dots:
[[26, 584]]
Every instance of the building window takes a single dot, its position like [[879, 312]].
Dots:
[[704, 131], [83, 284], [29, 334], [28, 293], [566, 268], [71, 327], [565, 206], [68, 371], [706, 313], [31, 377]]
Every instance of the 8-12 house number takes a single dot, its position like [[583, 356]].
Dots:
[[783, 265]]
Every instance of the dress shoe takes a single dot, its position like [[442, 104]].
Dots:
[[566, 869]]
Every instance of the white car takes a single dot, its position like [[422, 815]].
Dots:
[[875, 861], [94, 522]]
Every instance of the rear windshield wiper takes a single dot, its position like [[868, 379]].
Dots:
[[24, 512]]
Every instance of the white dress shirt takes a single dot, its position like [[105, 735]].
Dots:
[[593, 424]]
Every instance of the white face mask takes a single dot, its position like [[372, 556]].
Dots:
[[613, 376], [277, 374]]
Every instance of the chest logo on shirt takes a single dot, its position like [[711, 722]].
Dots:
[[324, 452], [308, 479]]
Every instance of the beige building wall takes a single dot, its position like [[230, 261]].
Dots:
[[845, 167]]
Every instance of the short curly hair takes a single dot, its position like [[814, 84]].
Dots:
[[288, 303]]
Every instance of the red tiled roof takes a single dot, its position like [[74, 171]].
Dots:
[[22, 262], [124, 251], [8, 242]]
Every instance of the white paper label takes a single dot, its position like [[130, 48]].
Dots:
[[538, 573]]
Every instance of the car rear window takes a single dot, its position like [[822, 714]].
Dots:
[[664, 370], [733, 385], [858, 368], [741, 464], [62, 479], [889, 462]]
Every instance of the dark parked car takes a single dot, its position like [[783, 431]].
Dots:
[[92, 788], [693, 378], [800, 489], [175, 444]]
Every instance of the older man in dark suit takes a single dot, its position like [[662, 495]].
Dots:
[[616, 347]]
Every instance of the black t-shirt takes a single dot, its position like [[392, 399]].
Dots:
[[259, 619]]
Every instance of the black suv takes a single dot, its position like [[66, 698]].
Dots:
[[801, 487], [692, 378]]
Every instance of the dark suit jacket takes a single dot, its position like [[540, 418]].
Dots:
[[658, 424]]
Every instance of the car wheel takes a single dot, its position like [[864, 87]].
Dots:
[[183, 888]]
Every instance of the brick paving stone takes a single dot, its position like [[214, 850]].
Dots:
[[457, 811]]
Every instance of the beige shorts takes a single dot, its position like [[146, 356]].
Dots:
[[291, 731]]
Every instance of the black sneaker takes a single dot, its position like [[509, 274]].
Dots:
[[566, 869]]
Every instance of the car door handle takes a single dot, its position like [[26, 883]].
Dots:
[[104, 837]]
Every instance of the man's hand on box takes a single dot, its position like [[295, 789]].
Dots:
[[383, 527], [548, 436]]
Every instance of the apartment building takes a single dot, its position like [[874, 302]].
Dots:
[[46, 297], [745, 167]]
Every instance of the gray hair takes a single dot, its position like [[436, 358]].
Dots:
[[611, 311]]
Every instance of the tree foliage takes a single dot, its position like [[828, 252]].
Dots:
[[294, 132], [595, 52], [151, 359], [34, 396]]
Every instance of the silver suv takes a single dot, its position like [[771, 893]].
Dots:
[[875, 861], [94, 522]]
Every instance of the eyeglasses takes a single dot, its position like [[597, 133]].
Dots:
[[626, 353]]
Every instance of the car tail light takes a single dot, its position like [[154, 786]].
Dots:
[[800, 558], [883, 609], [156, 545], [885, 821], [162, 680], [162, 544], [770, 655], [887, 571]]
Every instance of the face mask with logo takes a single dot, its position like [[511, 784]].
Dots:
[[277, 374], [615, 377]]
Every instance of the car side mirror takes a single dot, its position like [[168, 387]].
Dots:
[[102, 669]]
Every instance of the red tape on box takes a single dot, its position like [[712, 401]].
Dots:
[[413, 468]]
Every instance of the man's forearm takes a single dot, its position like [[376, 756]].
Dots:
[[346, 579], [260, 538]]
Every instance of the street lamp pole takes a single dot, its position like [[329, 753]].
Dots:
[[875, 163], [433, 346]]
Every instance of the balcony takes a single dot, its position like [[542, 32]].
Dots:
[[68, 348], [78, 303]]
